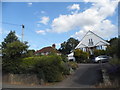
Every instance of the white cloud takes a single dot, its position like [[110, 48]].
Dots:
[[40, 32], [29, 4], [105, 29], [74, 7], [44, 20], [93, 18]]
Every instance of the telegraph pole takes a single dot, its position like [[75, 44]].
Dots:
[[16, 25], [23, 32]]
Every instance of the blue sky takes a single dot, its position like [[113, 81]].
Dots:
[[55, 22]]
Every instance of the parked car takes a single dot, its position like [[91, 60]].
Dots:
[[101, 58]]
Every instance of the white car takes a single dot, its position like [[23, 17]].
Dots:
[[102, 58]]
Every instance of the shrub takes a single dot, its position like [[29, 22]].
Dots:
[[73, 65], [80, 56], [99, 52], [65, 69], [64, 58], [51, 68], [28, 64], [115, 61]]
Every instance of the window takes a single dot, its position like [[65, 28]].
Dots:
[[90, 42]]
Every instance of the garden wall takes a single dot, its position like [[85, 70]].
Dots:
[[28, 79]]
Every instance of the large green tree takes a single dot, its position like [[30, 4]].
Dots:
[[68, 45], [12, 50], [114, 48], [11, 37]]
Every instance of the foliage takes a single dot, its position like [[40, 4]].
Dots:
[[99, 52], [65, 69], [12, 50], [80, 55], [50, 66], [115, 61], [12, 56], [114, 48], [73, 65], [11, 37], [30, 53], [64, 58], [28, 64], [68, 46]]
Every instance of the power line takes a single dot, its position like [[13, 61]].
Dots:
[[16, 25], [10, 23]]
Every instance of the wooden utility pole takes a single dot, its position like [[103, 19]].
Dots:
[[23, 32]]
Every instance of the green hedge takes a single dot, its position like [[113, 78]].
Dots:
[[50, 68], [28, 64]]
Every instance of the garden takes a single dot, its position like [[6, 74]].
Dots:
[[19, 60]]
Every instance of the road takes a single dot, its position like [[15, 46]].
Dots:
[[86, 76]]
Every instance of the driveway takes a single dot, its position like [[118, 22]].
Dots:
[[86, 76]]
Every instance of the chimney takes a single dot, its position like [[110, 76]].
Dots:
[[53, 46]]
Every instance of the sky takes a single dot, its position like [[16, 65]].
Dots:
[[48, 23]]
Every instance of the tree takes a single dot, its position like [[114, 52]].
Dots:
[[114, 48], [99, 52], [30, 53], [68, 46], [80, 56], [11, 37], [13, 50]]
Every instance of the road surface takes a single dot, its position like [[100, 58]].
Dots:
[[86, 76]]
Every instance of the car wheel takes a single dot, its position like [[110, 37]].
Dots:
[[99, 61]]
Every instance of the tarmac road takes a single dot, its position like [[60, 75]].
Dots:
[[86, 76]]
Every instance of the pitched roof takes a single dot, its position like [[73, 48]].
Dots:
[[47, 49], [97, 40]]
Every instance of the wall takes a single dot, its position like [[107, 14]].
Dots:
[[28, 79]]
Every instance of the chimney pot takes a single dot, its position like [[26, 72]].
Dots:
[[53, 45]]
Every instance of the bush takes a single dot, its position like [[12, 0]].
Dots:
[[12, 66], [80, 56], [73, 65], [64, 58], [65, 69], [115, 61], [49, 68], [99, 52], [28, 64]]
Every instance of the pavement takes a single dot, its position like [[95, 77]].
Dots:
[[86, 76]]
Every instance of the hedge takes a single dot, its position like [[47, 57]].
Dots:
[[50, 68]]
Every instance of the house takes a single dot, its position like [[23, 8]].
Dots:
[[90, 42], [48, 50]]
